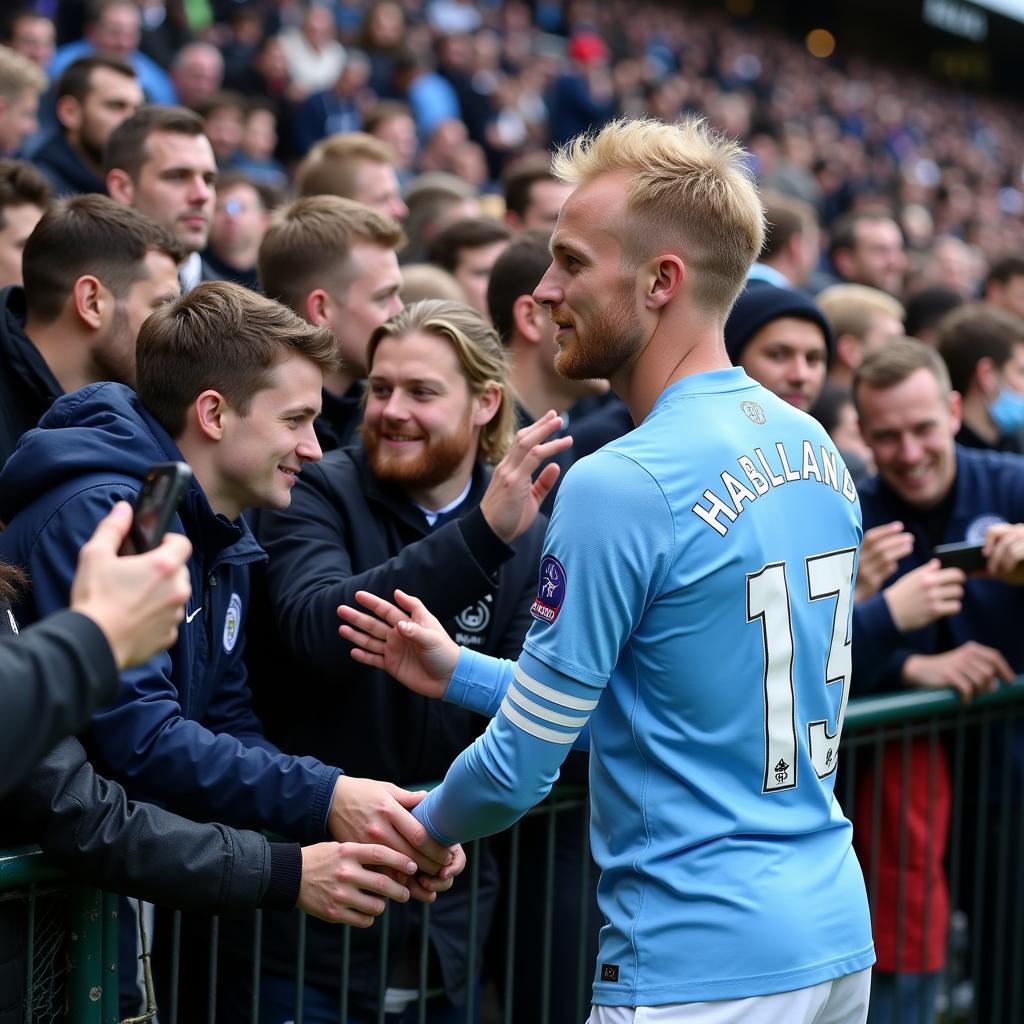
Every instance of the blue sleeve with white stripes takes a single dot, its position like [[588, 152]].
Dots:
[[606, 550], [479, 684], [513, 765]]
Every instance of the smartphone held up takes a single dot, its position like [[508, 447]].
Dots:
[[156, 505]]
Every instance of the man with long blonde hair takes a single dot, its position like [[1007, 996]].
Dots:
[[418, 502], [692, 609]]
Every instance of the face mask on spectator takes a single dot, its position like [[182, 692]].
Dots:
[[1007, 412]]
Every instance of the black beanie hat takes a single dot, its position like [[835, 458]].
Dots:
[[760, 303]]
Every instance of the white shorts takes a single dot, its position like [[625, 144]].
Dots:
[[840, 1001]]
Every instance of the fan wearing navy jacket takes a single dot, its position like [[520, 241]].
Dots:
[[229, 382], [414, 505]]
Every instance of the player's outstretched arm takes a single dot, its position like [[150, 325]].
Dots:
[[403, 639]]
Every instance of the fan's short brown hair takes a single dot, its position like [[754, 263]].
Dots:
[[224, 337], [309, 241], [88, 234]]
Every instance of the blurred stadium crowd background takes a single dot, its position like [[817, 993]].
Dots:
[[887, 144]]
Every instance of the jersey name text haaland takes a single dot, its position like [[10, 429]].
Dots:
[[763, 472]]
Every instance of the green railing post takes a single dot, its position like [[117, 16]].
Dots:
[[110, 1003], [86, 976]]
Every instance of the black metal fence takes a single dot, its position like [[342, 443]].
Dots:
[[934, 788]]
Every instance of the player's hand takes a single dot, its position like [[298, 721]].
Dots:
[[137, 600], [424, 887], [446, 876], [367, 811], [880, 554], [924, 594], [350, 883], [1004, 548], [513, 498], [404, 639], [970, 668]]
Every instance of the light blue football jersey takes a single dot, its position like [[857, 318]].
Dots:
[[694, 609]]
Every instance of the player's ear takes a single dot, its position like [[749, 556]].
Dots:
[[665, 276]]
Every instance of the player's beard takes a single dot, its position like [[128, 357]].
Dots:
[[609, 342], [436, 463]]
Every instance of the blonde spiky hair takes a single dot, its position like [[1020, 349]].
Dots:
[[690, 192]]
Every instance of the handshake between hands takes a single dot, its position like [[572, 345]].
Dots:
[[382, 853]]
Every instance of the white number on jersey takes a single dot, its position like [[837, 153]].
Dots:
[[829, 575]]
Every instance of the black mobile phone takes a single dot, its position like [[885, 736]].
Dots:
[[961, 556], [162, 490]]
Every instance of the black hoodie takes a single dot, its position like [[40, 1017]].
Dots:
[[27, 387]]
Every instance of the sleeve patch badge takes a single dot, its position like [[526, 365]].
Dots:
[[550, 590]]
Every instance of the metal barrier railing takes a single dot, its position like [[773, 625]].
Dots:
[[934, 788], [547, 850], [70, 948]]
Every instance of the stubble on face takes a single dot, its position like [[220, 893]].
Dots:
[[114, 358], [608, 342]]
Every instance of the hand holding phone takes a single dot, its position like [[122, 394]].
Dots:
[[968, 557], [155, 507], [137, 602]]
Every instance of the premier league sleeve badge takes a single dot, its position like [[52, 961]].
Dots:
[[550, 590]]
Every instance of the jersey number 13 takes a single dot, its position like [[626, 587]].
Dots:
[[769, 601]]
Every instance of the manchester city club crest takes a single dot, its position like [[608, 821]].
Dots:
[[232, 623], [754, 413], [550, 590]]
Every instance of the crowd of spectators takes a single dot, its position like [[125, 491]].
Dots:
[[349, 159], [470, 88]]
